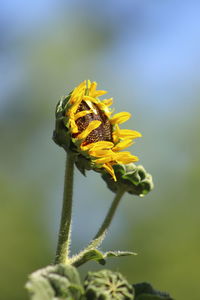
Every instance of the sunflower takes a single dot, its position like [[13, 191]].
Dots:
[[94, 131]]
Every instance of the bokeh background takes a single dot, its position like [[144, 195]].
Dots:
[[147, 55]]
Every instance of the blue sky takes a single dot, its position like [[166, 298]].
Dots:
[[155, 44]]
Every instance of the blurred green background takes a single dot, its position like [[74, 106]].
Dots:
[[146, 54]]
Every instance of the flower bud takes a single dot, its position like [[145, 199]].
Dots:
[[133, 179], [55, 282], [107, 285]]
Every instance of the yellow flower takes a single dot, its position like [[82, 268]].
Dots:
[[95, 132]]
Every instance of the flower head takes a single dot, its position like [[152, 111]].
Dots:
[[94, 132], [131, 178]]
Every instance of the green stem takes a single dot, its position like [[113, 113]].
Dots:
[[64, 238], [111, 212]]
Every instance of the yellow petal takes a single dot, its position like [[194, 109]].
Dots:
[[98, 145], [82, 85], [115, 138], [125, 158], [93, 125], [82, 114], [105, 109], [102, 145], [92, 88], [75, 106], [103, 160], [102, 106], [120, 118], [92, 99], [92, 107], [115, 134], [110, 170], [108, 102], [126, 133], [108, 113], [76, 92], [100, 153], [74, 127], [122, 145], [88, 83], [99, 93]]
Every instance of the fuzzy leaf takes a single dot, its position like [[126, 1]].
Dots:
[[118, 253], [94, 254], [115, 254]]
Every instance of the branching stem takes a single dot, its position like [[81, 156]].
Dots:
[[111, 212]]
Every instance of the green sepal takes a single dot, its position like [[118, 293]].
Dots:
[[83, 164], [100, 257], [145, 291], [133, 179], [59, 281], [61, 135]]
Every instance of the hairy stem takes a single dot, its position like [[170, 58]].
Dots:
[[64, 238]]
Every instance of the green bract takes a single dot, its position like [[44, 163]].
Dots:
[[107, 285], [61, 134]]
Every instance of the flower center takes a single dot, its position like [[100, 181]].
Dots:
[[102, 133]]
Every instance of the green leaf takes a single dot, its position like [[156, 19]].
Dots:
[[145, 291], [97, 255], [118, 253], [92, 254], [115, 254]]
